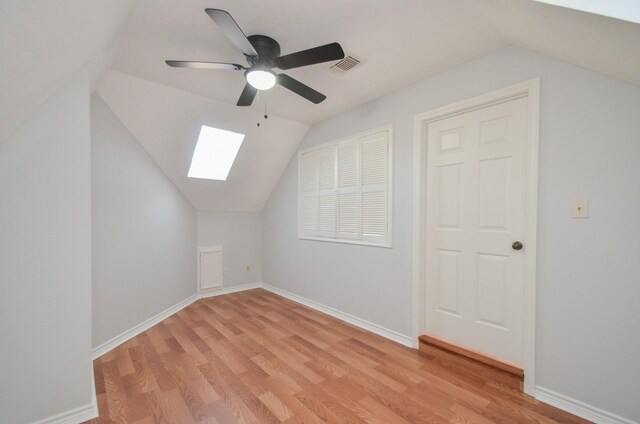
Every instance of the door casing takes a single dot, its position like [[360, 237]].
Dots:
[[531, 90]]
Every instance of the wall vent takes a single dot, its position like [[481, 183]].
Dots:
[[346, 64]]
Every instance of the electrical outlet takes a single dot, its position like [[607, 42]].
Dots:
[[226, 270], [580, 208], [248, 268]]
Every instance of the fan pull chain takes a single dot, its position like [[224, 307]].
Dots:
[[265, 107]]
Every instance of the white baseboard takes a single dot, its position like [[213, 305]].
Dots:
[[579, 408], [143, 326], [227, 290], [77, 415], [74, 416], [358, 322], [134, 331]]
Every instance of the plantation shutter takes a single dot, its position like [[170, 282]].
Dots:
[[327, 193], [348, 190], [344, 190], [308, 208], [374, 187]]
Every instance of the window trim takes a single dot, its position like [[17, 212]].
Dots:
[[389, 243]]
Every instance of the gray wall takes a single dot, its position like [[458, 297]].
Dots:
[[144, 231], [588, 319], [239, 235], [45, 259]]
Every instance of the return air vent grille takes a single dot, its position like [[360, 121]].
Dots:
[[345, 65]]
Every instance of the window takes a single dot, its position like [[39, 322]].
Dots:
[[344, 190]]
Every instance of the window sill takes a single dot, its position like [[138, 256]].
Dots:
[[345, 241]]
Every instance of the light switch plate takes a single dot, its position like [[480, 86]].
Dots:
[[580, 208]]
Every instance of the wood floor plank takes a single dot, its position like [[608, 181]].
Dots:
[[276, 406], [375, 413], [256, 357]]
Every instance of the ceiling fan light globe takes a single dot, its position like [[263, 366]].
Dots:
[[261, 79]]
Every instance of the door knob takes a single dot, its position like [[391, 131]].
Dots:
[[517, 245]]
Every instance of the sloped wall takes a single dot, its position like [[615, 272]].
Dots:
[[144, 231], [45, 260]]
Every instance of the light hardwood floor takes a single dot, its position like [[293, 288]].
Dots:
[[255, 357]]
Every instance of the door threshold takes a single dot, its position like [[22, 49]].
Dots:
[[428, 341]]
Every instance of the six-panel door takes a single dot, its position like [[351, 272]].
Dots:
[[476, 210]]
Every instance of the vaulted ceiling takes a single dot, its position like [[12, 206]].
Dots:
[[167, 121], [399, 42], [596, 42], [43, 42]]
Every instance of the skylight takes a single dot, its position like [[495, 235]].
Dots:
[[627, 10], [214, 154]]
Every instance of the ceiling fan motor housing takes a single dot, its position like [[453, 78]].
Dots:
[[268, 49]]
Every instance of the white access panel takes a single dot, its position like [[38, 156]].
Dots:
[[210, 268]]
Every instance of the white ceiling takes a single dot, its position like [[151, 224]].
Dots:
[[43, 42], [167, 122], [596, 42], [399, 42]]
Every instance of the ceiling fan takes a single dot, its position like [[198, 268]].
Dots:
[[263, 54]]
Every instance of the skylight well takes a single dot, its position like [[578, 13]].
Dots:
[[627, 10], [215, 153]]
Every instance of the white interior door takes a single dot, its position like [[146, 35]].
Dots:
[[476, 211]]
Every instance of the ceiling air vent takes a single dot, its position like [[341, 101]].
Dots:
[[346, 64]]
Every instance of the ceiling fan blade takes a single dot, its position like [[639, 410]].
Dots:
[[204, 65], [301, 89], [231, 29], [247, 96], [320, 54]]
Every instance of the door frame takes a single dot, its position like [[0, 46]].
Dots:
[[528, 89]]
